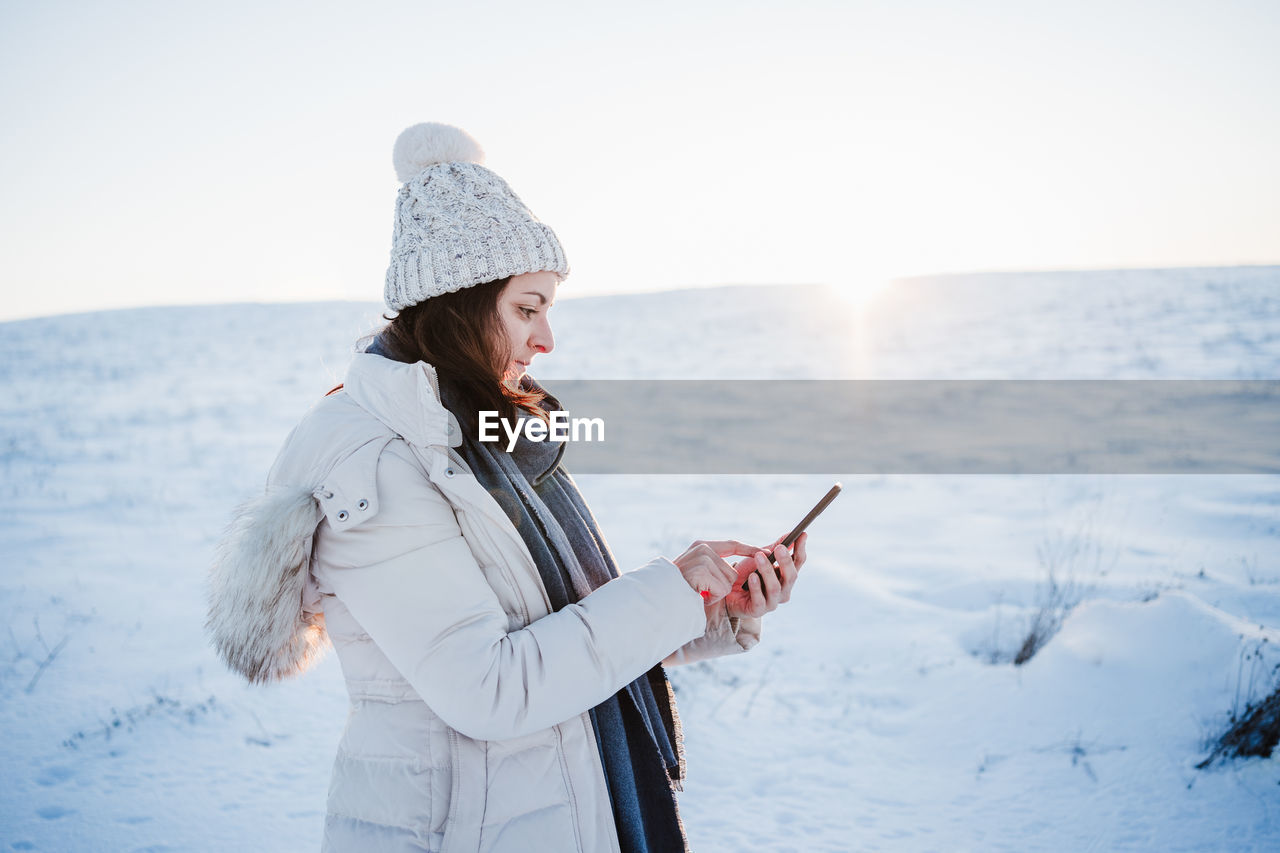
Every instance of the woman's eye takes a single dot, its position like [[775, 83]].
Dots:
[[528, 312]]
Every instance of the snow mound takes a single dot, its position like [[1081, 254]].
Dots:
[[1167, 670]]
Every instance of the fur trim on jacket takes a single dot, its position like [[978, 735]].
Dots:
[[258, 618]]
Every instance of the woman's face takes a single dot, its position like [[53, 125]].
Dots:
[[523, 306]]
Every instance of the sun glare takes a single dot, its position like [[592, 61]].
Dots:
[[863, 289]]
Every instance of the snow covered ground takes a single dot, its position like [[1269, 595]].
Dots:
[[881, 711]]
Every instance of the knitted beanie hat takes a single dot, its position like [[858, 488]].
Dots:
[[457, 223]]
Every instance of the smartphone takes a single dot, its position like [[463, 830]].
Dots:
[[804, 522]]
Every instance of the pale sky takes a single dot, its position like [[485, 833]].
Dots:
[[176, 152]]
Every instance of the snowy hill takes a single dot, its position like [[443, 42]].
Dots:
[[881, 711]]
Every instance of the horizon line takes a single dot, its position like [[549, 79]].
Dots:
[[917, 277]]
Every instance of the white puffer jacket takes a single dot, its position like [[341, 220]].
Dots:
[[468, 728]]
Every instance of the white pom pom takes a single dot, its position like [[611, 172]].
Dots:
[[429, 143]]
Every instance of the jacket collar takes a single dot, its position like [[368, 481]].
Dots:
[[404, 397]]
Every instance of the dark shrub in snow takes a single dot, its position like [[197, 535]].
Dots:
[[1254, 734]]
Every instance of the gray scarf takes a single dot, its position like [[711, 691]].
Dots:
[[637, 729]]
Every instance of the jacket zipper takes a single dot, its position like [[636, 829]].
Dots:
[[568, 787], [455, 791]]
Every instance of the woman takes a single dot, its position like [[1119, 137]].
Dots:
[[506, 682]]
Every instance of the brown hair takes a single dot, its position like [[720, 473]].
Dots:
[[461, 335]]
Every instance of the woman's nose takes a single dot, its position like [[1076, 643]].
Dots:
[[542, 339]]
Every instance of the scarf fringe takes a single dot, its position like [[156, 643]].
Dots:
[[665, 694]]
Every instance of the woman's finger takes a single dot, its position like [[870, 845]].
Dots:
[[716, 583], [799, 556], [759, 606], [711, 586], [787, 568], [721, 568], [771, 587], [730, 547]]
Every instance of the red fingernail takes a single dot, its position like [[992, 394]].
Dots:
[[706, 594]]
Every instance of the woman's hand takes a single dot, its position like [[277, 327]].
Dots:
[[706, 571], [758, 599]]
